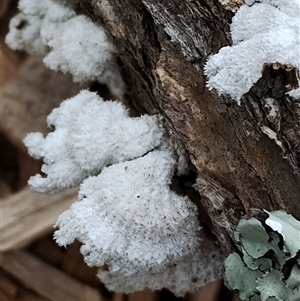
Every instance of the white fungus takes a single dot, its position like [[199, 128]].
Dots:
[[129, 220], [31, 29], [24, 34], [131, 225], [264, 33], [138, 231], [70, 43], [82, 48], [90, 133]]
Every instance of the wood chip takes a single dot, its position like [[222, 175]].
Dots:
[[45, 280], [28, 215]]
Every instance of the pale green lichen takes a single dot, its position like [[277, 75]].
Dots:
[[288, 227], [267, 268], [235, 276]]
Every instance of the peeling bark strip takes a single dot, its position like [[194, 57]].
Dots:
[[163, 46]]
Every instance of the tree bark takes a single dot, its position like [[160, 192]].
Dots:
[[240, 170]]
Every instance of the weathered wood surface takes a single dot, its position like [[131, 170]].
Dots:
[[47, 281], [163, 46], [27, 215], [29, 97]]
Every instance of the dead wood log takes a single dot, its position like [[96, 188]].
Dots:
[[163, 46]]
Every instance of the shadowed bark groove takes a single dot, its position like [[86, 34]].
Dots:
[[163, 46]]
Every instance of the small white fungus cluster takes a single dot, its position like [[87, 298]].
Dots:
[[90, 133], [68, 42], [264, 33], [131, 225]]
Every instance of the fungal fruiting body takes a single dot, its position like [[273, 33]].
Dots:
[[131, 224], [68, 42], [127, 217], [266, 32], [68, 154]]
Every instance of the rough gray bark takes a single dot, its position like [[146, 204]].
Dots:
[[240, 170]]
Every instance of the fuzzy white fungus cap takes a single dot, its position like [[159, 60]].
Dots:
[[70, 43], [31, 28], [129, 220], [264, 33], [24, 34], [90, 133], [187, 274], [81, 47]]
